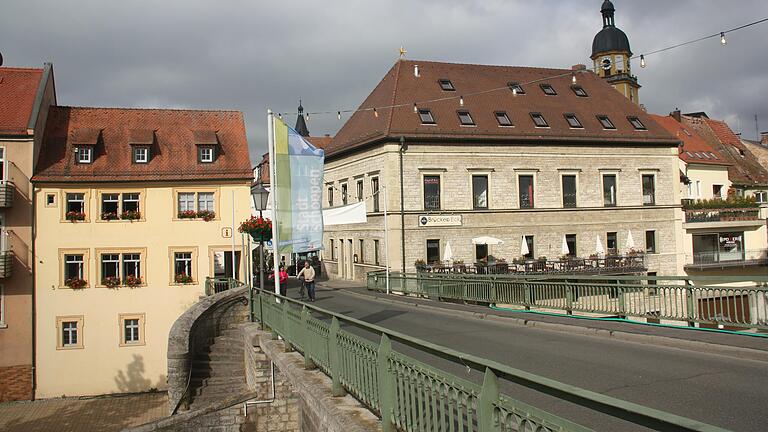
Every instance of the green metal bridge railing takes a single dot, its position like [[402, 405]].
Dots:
[[663, 297], [216, 285], [409, 395]]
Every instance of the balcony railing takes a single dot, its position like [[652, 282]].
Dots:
[[720, 215], [717, 259], [6, 194], [606, 265], [6, 264]]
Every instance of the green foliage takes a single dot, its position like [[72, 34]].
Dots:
[[731, 202]]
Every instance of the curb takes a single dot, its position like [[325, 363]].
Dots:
[[664, 341]]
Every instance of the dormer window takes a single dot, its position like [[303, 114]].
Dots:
[[503, 119], [548, 89], [465, 118], [426, 117], [539, 120], [206, 154], [573, 121], [606, 122], [446, 85], [636, 123], [84, 154], [579, 91], [140, 154], [516, 88]]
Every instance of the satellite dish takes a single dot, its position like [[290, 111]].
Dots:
[[606, 63]]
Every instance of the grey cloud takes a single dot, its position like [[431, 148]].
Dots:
[[250, 55]]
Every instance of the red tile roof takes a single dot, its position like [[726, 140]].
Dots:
[[745, 169], [18, 88], [695, 149], [401, 86], [173, 151]]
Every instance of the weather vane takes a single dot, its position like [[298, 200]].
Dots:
[[402, 52]]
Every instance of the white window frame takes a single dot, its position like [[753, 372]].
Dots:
[[210, 205], [81, 199], [189, 203], [116, 262], [137, 261], [206, 154], [84, 154], [186, 260], [761, 196], [141, 155], [81, 262], [78, 331]]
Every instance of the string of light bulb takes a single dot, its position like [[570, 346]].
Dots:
[[713, 35], [460, 98]]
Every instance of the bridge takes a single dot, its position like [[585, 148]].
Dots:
[[450, 362]]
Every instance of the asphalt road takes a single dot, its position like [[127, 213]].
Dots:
[[722, 391]]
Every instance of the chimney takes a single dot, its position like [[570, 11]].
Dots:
[[578, 67], [676, 114], [764, 139]]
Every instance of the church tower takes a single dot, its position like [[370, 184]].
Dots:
[[301, 124], [611, 54]]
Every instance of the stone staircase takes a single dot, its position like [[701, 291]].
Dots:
[[218, 370]]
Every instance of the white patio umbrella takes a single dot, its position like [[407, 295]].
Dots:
[[564, 249], [630, 240], [599, 246], [524, 248], [448, 253], [486, 240]]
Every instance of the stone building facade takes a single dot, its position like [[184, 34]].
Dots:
[[500, 174]]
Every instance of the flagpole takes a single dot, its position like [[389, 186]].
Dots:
[[272, 195]]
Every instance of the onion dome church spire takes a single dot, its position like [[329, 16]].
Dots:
[[611, 54], [301, 124]]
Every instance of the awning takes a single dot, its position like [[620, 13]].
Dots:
[[486, 240]]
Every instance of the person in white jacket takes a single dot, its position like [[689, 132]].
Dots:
[[309, 279]]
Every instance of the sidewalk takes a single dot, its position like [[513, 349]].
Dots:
[[104, 413], [686, 338]]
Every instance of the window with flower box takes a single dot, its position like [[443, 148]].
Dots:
[[120, 205], [120, 268], [196, 205], [75, 209], [73, 268], [183, 267]]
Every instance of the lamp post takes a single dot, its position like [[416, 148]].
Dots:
[[260, 195]]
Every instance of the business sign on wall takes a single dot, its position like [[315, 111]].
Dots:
[[437, 221]]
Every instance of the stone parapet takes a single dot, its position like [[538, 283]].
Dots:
[[194, 329]]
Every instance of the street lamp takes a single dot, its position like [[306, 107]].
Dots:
[[260, 196]]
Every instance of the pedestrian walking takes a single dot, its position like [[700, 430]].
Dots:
[[283, 275], [309, 279]]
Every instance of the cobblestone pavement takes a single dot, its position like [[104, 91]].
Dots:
[[107, 413]]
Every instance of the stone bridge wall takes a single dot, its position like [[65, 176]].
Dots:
[[196, 328]]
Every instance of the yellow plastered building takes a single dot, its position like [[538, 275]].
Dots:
[[134, 209]]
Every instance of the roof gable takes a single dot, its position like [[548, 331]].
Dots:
[[18, 89], [170, 133]]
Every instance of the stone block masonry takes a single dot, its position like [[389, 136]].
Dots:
[[16, 383]]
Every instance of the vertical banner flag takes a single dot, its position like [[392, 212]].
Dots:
[[298, 191]]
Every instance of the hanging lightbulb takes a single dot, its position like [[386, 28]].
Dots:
[[722, 38], [461, 100], [307, 116], [514, 91], [642, 61], [280, 115], [375, 113], [415, 108], [573, 79], [338, 115]]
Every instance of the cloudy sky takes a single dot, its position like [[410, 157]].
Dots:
[[249, 55]]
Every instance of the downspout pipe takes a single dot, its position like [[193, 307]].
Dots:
[[403, 148]]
